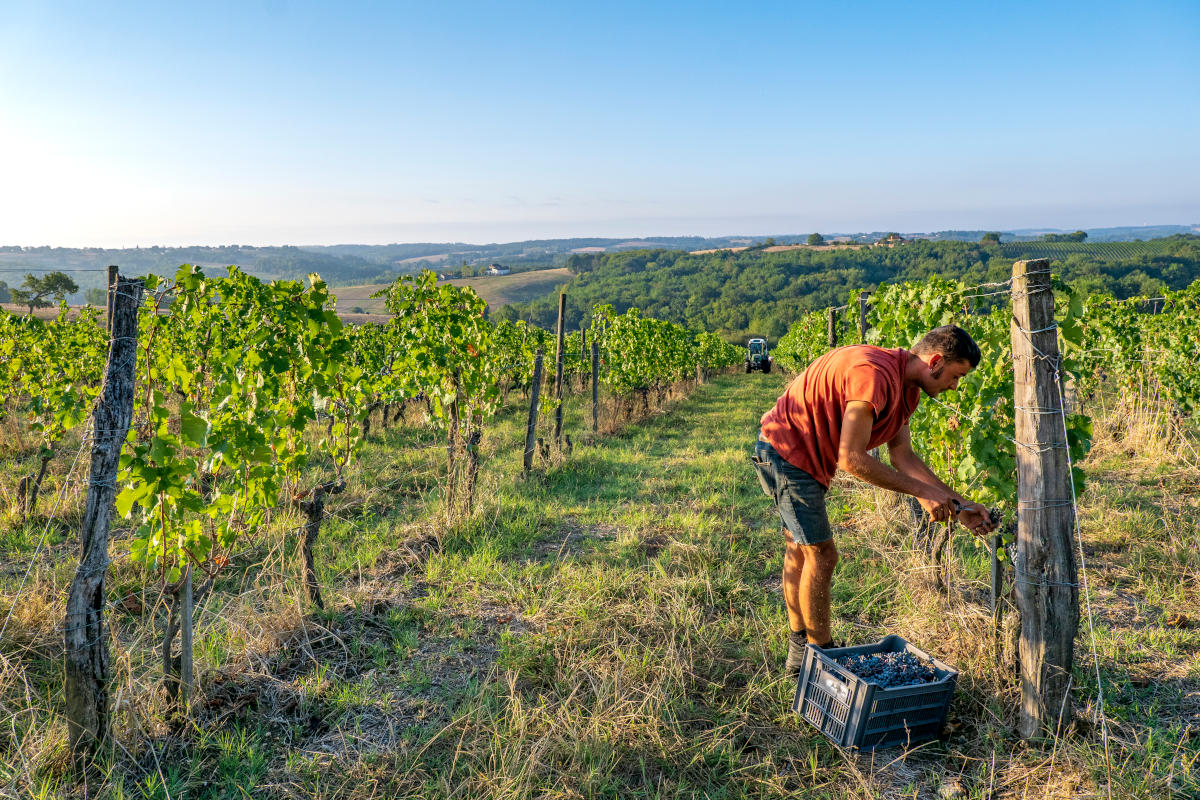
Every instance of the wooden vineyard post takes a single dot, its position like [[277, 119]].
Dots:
[[1044, 566], [558, 371], [535, 390], [86, 639], [187, 655], [583, 342], [862, 317], [862, 337], [595, 386], [832, 328], [452, 445], [112, 288], [997, 581]]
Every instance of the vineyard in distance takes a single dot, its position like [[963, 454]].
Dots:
[[461, 554]]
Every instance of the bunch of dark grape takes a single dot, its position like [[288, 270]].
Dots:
[[890, 669]]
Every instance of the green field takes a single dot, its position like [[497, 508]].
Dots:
[[1105, 251], [610, 626]]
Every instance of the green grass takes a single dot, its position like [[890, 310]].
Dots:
[[611, 626]]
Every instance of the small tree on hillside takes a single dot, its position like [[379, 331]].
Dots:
[[815, 240], [95, 296], [35, 290], [990, 238], [1077, 236], [5, 294]]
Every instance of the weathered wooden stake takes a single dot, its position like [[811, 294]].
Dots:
[[997, 583], [452, 447], [862, 316], [113, 272], [595, 386], [1046, 590], [558, 370], [86, 640], [832, 328], [583, 355], [535, 389], [186, 653]]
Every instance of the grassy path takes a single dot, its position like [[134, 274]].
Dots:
[[621, 612]]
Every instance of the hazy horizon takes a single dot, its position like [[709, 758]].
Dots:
[[621, 236]]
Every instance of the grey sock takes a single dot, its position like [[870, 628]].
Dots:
[[795, 657]]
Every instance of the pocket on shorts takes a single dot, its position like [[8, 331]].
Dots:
[[766, 475]]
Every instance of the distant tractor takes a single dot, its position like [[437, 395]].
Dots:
[[758, 356]]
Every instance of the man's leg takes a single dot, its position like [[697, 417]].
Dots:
[[816, 576], [793, 567]]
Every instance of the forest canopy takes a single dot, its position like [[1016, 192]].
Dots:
[[755, 292]]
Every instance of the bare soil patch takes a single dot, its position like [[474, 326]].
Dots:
[[41, 313], [571, 540]]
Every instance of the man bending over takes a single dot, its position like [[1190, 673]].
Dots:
[[846, 403]]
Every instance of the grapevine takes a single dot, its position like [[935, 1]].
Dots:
[[641, 354], [53, 370]]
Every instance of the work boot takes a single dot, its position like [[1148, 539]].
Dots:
[[795, 657]]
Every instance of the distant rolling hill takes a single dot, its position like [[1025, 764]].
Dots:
[[497, 291]]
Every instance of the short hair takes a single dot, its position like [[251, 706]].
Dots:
[[952, 342]]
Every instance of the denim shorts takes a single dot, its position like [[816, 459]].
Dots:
[[799, 498]]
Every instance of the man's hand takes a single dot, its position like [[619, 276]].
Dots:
[[940, 508], [974, 518]]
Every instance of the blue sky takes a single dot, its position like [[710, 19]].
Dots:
[[270, 121]]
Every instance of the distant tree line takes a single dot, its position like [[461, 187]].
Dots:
[[756, 292]]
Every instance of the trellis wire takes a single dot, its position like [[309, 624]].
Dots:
[[53, 269], [1087, 595]]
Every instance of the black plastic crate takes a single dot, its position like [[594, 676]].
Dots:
[[854, 712]]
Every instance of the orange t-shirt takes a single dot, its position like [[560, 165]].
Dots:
[[805, 426]]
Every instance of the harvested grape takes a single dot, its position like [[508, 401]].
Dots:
[[890, 669]]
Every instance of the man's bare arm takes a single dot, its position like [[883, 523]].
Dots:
[[854, 459], [905, 459]]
